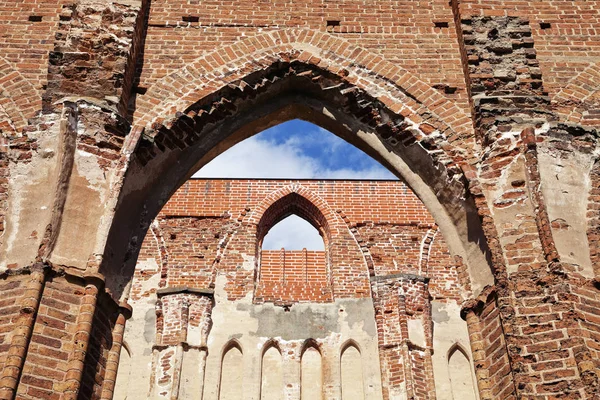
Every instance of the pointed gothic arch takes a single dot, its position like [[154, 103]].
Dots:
[[296, 200], [462, 379], [368, 105], [299, 200], [584, 87]]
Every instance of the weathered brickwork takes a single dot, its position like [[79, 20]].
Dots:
[[492, 362], [288, 276], [193, 244], [487, 109]]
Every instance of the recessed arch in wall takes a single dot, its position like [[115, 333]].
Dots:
[[271, 387], [311, 372], [232, 372], [461, 374], [352, 378], [293, 233], [277, 271]]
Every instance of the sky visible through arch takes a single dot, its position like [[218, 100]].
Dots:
[[294, 150]]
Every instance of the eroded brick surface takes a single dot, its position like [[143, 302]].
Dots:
[[489, 110]]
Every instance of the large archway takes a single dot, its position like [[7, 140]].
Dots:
[[402, 134]]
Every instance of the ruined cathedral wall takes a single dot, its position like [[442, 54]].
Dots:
[[416, 36], [488, 108], [188, 249]]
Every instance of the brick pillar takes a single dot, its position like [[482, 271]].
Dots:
[[112, 362], [493, 368], [20, 327], [178, 355], [51, 337], [529, 340], [404, 348], [81, 338]]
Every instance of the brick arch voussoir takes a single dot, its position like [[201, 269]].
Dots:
[[398, 89], [332, 219], [570, 102], [17, 97], [593, 216]]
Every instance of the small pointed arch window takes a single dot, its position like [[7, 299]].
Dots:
[[296, 274], [232, 372], [461, 374], [311, 372], [271, 386], [352, 372]]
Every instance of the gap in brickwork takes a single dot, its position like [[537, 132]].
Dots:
[[293, 233]]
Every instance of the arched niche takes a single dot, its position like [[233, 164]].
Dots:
[[311, 372], [231, 385], [352, 378], [123, 373], [271, 386], [298, 200], [461, 374], [286, 88], [289, 202], [293, 267]]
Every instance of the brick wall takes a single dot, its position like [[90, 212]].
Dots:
[[11, 292], [527, 65], [490, 354], [28, 30], [213, 228], [417, 35], [565, 34], [593, 215], [289, 276], [207, 224]]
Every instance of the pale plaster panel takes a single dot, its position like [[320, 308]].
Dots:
[[565, 186], [312, 375], [352, 374], [254, 325], [272, 375], [84, 209], [192, 372], [30, 202], [449, 329]]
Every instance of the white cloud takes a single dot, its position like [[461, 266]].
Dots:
[[293, 233], [256, 158]]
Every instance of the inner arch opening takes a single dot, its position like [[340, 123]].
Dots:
[[294, 149], [173, 150], [161, 168], [293, 233]]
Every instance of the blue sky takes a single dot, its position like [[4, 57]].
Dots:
[[294, 149], [299, 150]]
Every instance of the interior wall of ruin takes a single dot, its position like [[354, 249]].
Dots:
[[259, 341], [487, 109]]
